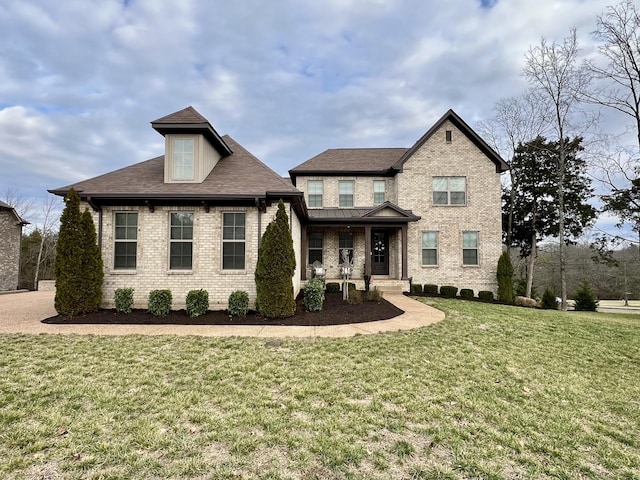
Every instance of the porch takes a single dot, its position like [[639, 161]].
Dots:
[[385, 285]]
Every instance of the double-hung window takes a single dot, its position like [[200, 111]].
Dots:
[[315, 247], [378, 191], [345, 242], [126, 240], [449, 190], [315, 188], [470, 248], [181, 241], [183, 159], [233, 241], [429, 248], [345, 193]]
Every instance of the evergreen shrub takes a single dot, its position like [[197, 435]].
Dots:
[[355, 296], [448, 291], [505, 278], [313, 295], [431, 289], [197, 302], [416, 289], [123, 298], [159, 302], [585, 299], [374, 295], [549, 301], [239, 303], [333, 287], [466, 293], [485, 295]]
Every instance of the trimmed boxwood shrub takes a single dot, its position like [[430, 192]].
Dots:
[[160, 302], [485, 295], [585, 299], [197, 302], [239, 303], [313, 295], [448, 291], [505, 278], [416, 288], [123, 298], [431, 289], [333, 287], [466, 293]]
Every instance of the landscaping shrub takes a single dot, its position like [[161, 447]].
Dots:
[[448, 291], [78, 264], [355, 296], [505, 278], [526, 302], [466, 293], [374, 295], [549, 301], [123, 298], [431, 289], [238, 303], [367, 282], [351, 286], [416, 289], [585, 299], [313, 295], [197, 302], [333, 287], [275, 268], [485, 295], [160, 302]]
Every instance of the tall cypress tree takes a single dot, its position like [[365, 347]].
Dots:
[[275, 268], [92, 265], [505, 278]]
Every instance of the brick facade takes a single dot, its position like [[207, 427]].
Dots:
[[10, 236]]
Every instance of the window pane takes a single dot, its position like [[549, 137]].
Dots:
[[470, 257], [345, 187], [345, 240], [429, 257], [183, 159], [125, 255], [457, 184], [378, 197], [440, 198], [315, 187], [233, 226], [346, 200], [181, 255], [315, 200], [315, 240], [470, 239], [315, 256], [439, 184], [126, 226], [233, 255], [457, 198]]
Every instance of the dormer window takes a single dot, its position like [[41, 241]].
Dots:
[[183, 159]]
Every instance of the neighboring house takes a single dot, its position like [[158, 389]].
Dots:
[[193, 218], [10, 243]]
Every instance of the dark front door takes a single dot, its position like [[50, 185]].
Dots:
[[380, 253]]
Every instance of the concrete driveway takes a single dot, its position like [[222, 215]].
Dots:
[[22, 312]]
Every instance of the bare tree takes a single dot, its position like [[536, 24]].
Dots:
[[558, 79], [515, 121], [24, 206], [51, 211]]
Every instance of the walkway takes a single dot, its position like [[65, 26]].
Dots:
[[22, 312]]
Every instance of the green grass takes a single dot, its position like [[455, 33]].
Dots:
[[491, 392]]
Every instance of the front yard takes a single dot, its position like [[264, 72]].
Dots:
[[490, 392]]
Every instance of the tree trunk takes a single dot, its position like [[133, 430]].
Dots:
[[35, 277], [531, 264], [512, 199], [563, 253]]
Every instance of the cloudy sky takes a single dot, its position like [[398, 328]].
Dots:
[[81, 80]]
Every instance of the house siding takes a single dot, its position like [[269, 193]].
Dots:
[[152, 269], [482, 212], [10, 233]]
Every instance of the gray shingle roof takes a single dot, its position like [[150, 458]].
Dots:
[[373, 160]]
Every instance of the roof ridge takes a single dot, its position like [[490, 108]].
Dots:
[[186, 115]]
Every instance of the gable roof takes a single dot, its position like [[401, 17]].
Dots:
[[238, 176], [454, 118], [361, 215], [189, 121], [6, 206]]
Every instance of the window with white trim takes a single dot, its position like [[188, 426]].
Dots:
[[183, 159], [315, 190], [125, 247], [379, 187], [470, 248], [315, 247], [345, 193], [449, 190], [345, 242], [181, 241], [430, 248], [233, 241]]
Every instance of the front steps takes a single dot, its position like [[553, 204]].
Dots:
[[385, 285]]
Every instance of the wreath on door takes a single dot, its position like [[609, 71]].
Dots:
[[378, 246]]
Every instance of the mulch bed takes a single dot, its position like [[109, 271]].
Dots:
[[335, 312]]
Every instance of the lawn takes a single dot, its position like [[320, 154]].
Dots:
[[491, 392]]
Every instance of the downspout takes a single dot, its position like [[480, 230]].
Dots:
[[20, 260], [257, 200]]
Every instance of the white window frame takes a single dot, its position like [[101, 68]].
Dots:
[[180, 159], [126, 239], [343, 197], [426, 246], [235, 240], [376, 190], [448, 191], [467, 247], [180, 240], [312, 193]]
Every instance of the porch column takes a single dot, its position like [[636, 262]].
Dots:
[[367, 250], [405, 253], [303, 254]]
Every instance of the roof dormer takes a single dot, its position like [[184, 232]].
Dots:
[[192, 146]]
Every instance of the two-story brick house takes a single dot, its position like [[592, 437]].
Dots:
[[193, 217], [431, 212], [10, 244]]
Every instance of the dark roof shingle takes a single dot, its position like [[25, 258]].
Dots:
[[372, 160]]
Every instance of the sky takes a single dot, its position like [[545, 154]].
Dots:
[[80, 81]]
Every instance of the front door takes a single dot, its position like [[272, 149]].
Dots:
[[380, 251]]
